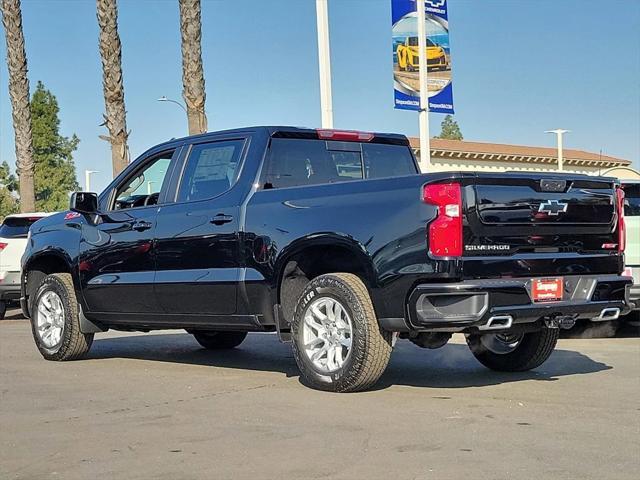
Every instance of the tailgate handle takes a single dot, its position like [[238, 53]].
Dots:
[[553, 185]]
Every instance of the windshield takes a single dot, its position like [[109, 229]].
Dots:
[[413, 42], [17, 227]]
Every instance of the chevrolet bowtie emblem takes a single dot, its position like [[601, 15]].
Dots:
[[553, 208]]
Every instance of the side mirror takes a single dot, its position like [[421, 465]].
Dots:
[[84, 202]]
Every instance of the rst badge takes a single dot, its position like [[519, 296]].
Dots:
[[553, 208]]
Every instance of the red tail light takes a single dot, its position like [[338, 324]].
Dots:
[[345, 135], [3, 246], [445, 232], [622, 238]]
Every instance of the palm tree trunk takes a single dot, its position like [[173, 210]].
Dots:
[[111, 55], [192, 74], [19, 93]]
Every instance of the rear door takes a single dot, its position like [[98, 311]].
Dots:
[[117, 257], [197, 237]]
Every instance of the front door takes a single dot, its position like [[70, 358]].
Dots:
[[117, 258], [197, 243]]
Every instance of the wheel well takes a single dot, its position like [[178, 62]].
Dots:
[[312, 262], [40, 268]]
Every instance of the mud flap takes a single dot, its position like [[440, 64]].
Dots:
[[86, 325], [282, 326]]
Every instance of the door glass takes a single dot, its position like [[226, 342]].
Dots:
[[144, 188], [212, 169]]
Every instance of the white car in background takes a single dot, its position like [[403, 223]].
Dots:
[[632, 252], [13, 241]]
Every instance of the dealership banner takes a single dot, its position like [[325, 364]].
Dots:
[[406, 81]]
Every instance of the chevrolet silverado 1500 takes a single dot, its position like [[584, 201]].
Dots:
[[333, 240]]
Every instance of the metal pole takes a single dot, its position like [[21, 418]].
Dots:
[[425, 149], [87, 179], [559, 136], [560, 150], [324, 60], [165, 99]]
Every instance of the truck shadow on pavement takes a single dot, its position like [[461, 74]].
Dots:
[[452, 366]]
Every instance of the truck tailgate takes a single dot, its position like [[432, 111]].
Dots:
[[552, 224]]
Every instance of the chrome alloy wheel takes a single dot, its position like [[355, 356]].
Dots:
[[327, 334], [501, 343], [50, 319]]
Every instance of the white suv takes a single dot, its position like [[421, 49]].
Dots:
[[13, 240]]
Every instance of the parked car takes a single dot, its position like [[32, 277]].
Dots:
[[13, 239], [409, 59], [333, 240], [632, 254]]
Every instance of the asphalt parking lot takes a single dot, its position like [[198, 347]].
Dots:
[[157, 406]]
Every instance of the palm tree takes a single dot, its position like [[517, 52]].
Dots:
[[111, 55], [192, 73], [19, 93]]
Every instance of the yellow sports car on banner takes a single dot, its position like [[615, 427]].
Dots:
[[408, 59]]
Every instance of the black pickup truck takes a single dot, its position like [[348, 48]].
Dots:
[[334, 241]]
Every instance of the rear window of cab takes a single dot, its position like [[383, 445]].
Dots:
[[297, 162], [17, 227]]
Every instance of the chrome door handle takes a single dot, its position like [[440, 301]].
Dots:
[[221, 219], [141, 226]]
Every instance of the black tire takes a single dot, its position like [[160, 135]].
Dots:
[[3, 309], [632, 319], [532, 351], [73, 344], [219, 340], [370, 345]]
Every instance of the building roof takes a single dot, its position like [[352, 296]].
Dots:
[[516, 153]]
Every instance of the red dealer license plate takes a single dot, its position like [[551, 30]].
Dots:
[[547, 289]]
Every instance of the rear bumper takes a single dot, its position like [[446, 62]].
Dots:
[[9, 286], [468, 306], [634, 296]]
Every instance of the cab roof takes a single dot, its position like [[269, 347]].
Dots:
[[295, 132]]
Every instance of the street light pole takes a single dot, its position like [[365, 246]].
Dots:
[[559, 134], [165, 99], [324, 62], [423, 115], [87, 179]]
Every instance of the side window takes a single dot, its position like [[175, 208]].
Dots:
[[295, 162], [212, 169], [143, 189]]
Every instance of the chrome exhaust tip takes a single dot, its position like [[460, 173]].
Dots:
[[607, 314], [497, 322]]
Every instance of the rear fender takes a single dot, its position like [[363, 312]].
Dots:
[[350, 246]]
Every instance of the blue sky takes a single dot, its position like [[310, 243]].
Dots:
[[520, 67]]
